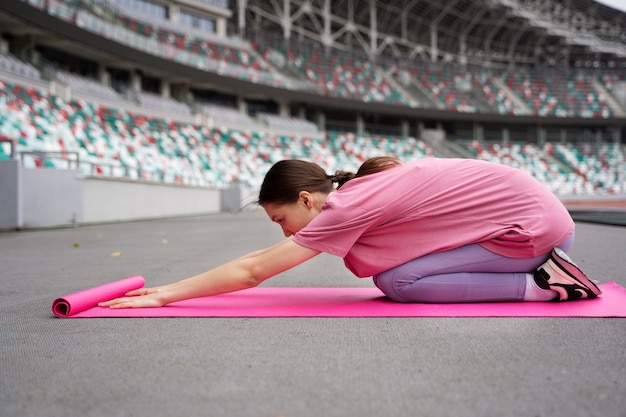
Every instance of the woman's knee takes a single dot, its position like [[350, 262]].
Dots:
[[389, 283]]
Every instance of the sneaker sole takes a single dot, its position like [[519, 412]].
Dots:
[[561, 260]]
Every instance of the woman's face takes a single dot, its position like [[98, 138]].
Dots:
[[294, 216]]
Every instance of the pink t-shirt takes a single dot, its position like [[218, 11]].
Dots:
[[431, 205]]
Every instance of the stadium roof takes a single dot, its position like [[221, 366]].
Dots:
[[486, 32], [616, 4]]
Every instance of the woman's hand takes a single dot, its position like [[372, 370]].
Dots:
[[142, 297]]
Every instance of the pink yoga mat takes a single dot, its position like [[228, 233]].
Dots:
[[78, 302], [328, 302]]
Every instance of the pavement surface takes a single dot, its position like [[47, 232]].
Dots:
[[283, 367]]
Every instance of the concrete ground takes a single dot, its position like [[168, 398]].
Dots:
[[283, 367]]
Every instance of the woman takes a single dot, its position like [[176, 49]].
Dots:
[[433, 231]]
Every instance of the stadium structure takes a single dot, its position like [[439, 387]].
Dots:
[[208, 94]]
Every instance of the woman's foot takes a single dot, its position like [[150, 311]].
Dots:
[[559, 273]]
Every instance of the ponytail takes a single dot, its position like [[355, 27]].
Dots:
[[371, 166], [341, 177]]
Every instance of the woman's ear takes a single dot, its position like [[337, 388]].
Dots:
[[306, 198]]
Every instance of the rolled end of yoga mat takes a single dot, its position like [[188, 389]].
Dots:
[[61, 307], [71, 304]]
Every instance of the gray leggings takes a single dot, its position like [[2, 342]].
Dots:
[[463, 275]]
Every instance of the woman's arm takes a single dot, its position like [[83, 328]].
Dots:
[[245, 272], [258, 252]]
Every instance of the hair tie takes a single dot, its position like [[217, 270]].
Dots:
[[333, 178]]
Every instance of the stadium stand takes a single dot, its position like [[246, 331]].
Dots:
[[336, 75], [333, 74], [556, 95], [601, 165], [563, 167], [118, 143], [233, 59], [233, 147]]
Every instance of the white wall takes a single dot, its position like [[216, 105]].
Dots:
[[32, 198], [109, 200], [51, 197]]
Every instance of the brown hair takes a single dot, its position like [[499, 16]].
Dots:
[[285, 179], [370, 166]]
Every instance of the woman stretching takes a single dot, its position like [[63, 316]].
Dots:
[[428, 231]]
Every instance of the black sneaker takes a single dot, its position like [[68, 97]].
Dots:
[[559, 273]]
